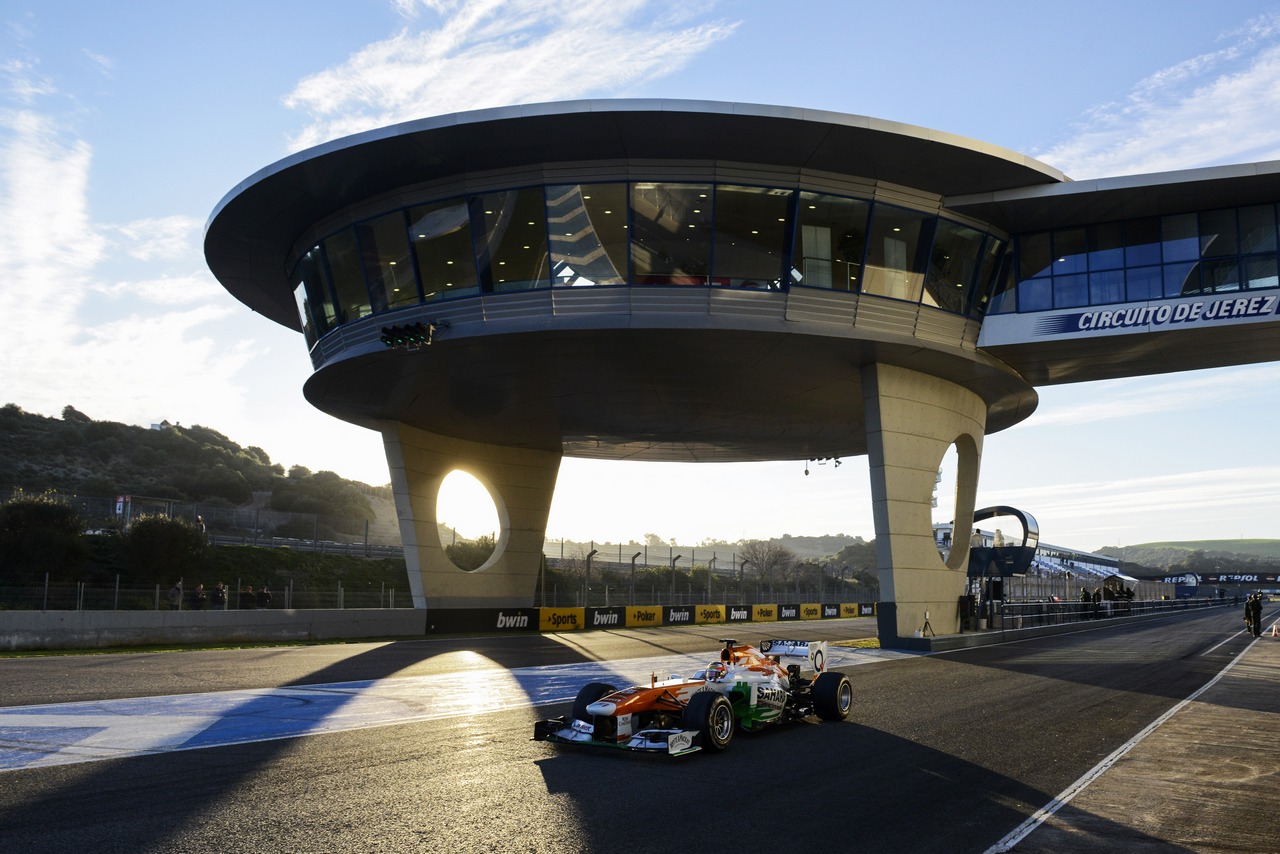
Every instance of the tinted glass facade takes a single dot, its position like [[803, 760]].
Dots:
[[643, 234], [1181, 255]]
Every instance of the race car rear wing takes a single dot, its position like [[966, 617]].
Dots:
[[814, 651]]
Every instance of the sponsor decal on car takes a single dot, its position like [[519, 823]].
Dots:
[[679, 742]]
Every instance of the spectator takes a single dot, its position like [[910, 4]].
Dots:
[[247, 600], [198, 598], [264, 597], [175, 596], [219, 597], [1253, 614]]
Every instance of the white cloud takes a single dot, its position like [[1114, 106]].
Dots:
[[1215, 108], [57, 349], [165, 290], [498, 52], [1144, 397], [1214, 503], [101, 61], [160, 238]]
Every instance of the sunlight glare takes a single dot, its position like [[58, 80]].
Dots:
[[466, 506]]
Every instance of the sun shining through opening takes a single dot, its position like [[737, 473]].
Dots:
[[468, 518]]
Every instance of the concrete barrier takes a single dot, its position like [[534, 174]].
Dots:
[[30, 630]]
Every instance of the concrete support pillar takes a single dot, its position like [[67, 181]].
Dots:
[[519, 480], [913, 419]]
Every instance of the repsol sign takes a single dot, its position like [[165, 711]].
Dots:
[[561, 619], [606, 618], [678, 615], [644, 616], [788, 612], [709, 614], [737, 613]]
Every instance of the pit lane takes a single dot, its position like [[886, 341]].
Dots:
[[942, 753]]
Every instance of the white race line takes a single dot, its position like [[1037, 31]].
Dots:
[[65, 733], [1023, 830]]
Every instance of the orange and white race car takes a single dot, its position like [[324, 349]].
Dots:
[[747, 688]]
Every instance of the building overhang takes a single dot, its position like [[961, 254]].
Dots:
[[252, 230], [1049, 206]]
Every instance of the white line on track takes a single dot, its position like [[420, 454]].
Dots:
[[1023, 830]]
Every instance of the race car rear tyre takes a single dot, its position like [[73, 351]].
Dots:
[[832, 696], [711, 715], [590, 692]]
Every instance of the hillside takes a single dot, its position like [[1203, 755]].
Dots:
[[1203, 556], [204, 471], [183, 469]]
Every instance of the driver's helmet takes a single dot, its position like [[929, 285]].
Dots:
[[716, 671]]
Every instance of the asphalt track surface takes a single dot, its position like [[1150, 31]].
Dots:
[[942, 753]]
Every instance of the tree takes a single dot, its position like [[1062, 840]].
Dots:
[[469, 556], [37, 535], [70, 413], [164, 549], [860, 559], [769, 563]]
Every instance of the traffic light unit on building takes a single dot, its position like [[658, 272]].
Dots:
[[410, 336]]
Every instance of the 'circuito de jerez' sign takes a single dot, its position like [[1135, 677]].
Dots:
[[1132, 317]]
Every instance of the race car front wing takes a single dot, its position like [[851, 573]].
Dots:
[[569, 730]]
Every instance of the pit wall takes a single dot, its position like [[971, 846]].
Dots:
[[644, 616], [38, 630], [32, 630]]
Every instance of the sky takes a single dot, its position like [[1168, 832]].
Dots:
[[122, 125]]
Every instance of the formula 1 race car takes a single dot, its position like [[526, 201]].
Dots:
[[746, 689]]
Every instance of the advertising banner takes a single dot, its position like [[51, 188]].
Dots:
[[788, 612], [606, 618], [811, 612], [644, 615], [709, 614], [561, 619], [738, 613], [481, 619], [867, 609], [677, 615], [764, 613]]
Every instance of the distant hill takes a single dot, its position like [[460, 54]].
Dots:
[[195, 465], [199, 466], [1202, 555]]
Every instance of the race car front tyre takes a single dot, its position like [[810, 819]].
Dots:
[[590, 692], [832, 696], [711, 715]]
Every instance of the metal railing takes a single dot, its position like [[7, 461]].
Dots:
[[1025, 615], [99, 596]]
